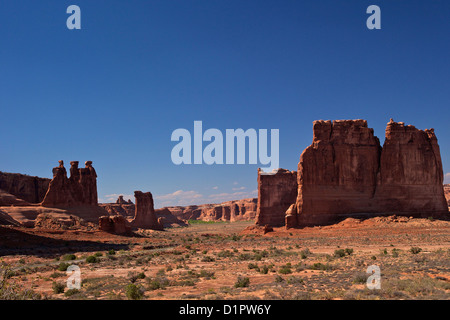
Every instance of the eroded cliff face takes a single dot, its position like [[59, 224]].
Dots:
[[27, 188], [345, 171], [411, 175], [276, 192], [447, 193], [80, 189], [145, 216], [235, 210]]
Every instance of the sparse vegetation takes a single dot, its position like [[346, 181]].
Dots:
[[242, 282], [208, 263]]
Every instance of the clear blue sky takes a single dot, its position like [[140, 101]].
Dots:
[[114, 91]]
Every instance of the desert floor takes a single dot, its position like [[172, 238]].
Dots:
[[232, 260]]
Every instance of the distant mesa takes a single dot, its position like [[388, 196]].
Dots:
[[345, 172]]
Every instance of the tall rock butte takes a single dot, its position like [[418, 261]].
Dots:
[[145, 216], [345, 172]]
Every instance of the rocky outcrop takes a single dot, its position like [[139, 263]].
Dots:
[[23, 187], [276, 192], [411, 175], [79, 189], [345, 171], [114, 224], [121, 200], [145, 216], [447, 193], [235, 210]]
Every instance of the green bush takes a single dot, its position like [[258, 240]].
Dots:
[[321, 266], [58, 287], [134, 292], [285, 270], [68, 257], [71, 292], [242, 282], [63, 266], [208, 259], [157, 283], [339, 253], [415, 250], [92, 259]]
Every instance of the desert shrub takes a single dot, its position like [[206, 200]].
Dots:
[[208, 259], [321, 266], [242, 282], [415, 250], [134, 292], [157, 283], [68, 257], [9, 290], [349, 251], [264, 269], [112, 252], [71, 292], [286, 269], [58, 287], [206, 274], [57, 275], [98, 254], [360, 277], [252, 265], [304, 253], [134, 276], [295, 280], [225, 254], [92, 259], [339, 253], [395, 252], [279, 279], [63, 266]]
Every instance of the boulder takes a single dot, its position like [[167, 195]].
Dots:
[[114, 224]]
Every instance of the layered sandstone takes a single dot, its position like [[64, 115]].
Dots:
[[411, 174], [276, 192], [114, 224], [345, 172], [235, 210], [145, 216], [447, 193], [27, 188], [79, 189]]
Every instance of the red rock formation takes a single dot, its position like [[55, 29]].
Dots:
[[276, 192], [127, 209], [114, 224], [447, 193], [337, 173], [411, 175], [79, 189], [145, 216], [27, 188], [345, 172], [121, 200], [235, 210]]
